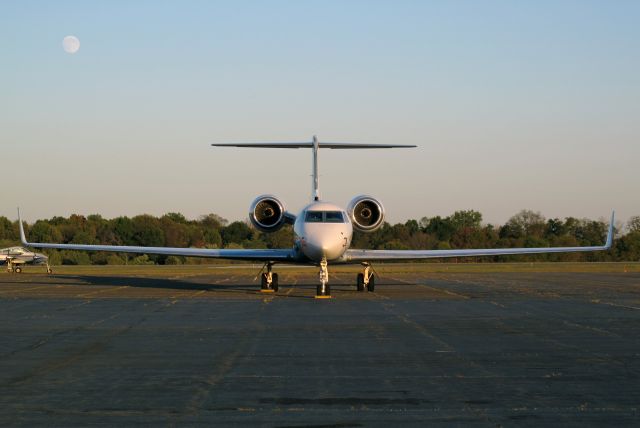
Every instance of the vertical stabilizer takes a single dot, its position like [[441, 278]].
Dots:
[[315, 192]]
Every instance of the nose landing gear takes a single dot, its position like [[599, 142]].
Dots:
[[323, 291], [366, 279]]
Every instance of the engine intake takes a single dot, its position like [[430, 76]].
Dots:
[[366, 213], [267, 213]]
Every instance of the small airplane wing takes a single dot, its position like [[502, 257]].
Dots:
[[235, 254], [369, 255]]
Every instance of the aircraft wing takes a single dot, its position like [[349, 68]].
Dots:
[[370, 255], [235, 254]]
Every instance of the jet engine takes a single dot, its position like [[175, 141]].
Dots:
[[267, 213], [366, 213]]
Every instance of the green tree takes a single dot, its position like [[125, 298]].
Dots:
[[213, 221], [633, 225], [75, 258], [147, 231], [212, 238], [283, 238], [530, 222], [124, 230], [7, 230], [442, 228], [236, 232], [42, 231], [176, 218], [469, 218], [628, 247], [555, 227], [176, 234]]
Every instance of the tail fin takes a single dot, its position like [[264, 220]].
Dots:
[[315, 145]]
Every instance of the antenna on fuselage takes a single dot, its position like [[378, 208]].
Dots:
[[315, 145]]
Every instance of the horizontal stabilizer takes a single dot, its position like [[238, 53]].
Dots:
[[309, 145], [314, 145]]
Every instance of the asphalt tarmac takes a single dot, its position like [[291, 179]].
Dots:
[[483, 349]]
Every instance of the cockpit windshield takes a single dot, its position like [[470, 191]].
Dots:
[[324, 217], [333, 217], [313, 217]]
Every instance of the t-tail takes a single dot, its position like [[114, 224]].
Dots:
[[315, 145]]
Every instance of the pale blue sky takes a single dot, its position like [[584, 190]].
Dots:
[[513, 105]]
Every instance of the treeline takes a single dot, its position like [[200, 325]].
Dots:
[[462, 229]]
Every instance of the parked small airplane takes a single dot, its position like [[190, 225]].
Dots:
[[322, 232], [16, 257]]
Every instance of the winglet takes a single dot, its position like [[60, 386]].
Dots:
[[23, 239], [609, 242]]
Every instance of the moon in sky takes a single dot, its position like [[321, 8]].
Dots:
[[71, 44]]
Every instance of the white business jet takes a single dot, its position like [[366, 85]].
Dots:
[[322, 232]]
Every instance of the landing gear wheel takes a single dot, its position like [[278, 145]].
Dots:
[[18, 270], [49, 271], [263, 282], [274, 281], [327, 291], [372, 284], [360, 282]]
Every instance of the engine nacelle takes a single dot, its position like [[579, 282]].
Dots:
[[366, 213], [267, 213]]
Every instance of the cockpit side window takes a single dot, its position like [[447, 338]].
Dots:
[[334, 217], [313, 217]]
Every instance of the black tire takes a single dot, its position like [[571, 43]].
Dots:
[[274, 281], [327, 290], [372, 284], [263, 281], [360, 282], [18, 270]]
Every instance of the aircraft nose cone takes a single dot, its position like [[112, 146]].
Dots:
[[312, 249], [317, 249]]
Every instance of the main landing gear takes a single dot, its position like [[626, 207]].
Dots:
[[366, 280], [268, 280]]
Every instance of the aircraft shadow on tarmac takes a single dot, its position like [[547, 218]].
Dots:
[[244, 287], [159, 283]]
